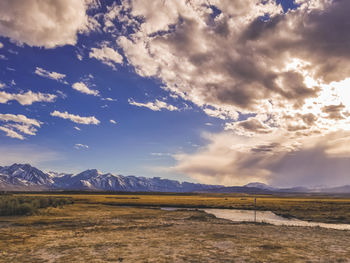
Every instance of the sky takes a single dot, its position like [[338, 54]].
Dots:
[[210, 91]]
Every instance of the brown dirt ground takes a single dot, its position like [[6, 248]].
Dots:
[[103, 233]]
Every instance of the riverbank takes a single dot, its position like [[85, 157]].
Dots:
[[269, 217]]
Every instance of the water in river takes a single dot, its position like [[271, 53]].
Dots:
[[268, 217]]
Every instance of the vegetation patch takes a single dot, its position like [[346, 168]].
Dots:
[[202, 217], [11, 205]]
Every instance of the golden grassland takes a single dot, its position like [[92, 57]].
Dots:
[[90, 231], [326, 209]]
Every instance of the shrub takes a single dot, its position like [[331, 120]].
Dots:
[[25, 209], [26, 205]]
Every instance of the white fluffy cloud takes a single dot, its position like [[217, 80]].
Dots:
[[113, 121], [20, 119], [155, 106], [106, 55], [1, 45], [44, 23], [81, 87], [11, 133], [50, 74], [109, 99], [81, 146], [75, 118], [26, 98], [15, 126]]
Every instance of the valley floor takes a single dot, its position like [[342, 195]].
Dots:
[[86, 232]]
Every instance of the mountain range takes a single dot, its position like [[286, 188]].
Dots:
[[24, 177]]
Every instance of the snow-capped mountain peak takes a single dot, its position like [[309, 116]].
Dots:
[[26, 174], [26, 177]]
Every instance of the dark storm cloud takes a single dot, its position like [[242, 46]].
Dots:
[[253, 125], [334, 111], [320, 36], [265, 148]]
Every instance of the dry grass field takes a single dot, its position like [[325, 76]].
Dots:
[[324, 209], [96, 229]]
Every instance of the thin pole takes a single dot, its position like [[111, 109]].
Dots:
[[255, 209]]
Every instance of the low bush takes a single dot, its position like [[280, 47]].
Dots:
[[25, 205]]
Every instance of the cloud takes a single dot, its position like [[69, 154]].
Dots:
[[17, 125], [20, 119], [79, 56], [11, 133], [51, 75], [334, 111], [80, 146], [26, 98], [195, 57], [61, 94], [250, 126], [23, 128], [106, 55], [220, 113], [2, 85], [115, 15], [44, 24], [109, 99], [272, 159], [263, 71], [77, 128], [1, 45], [13, 52], [81, 87], [155, 106], [233, 62], [75, 118], [113, 121], [161, 154]]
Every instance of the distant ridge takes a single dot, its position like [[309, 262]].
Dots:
[[261, 186], [24, 177]]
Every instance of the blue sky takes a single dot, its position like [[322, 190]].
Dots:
[[223, 93], [140, 139]]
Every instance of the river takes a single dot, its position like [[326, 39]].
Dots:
[[268, 217]]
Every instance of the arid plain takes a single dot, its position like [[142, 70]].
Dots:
[[97, 228]]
